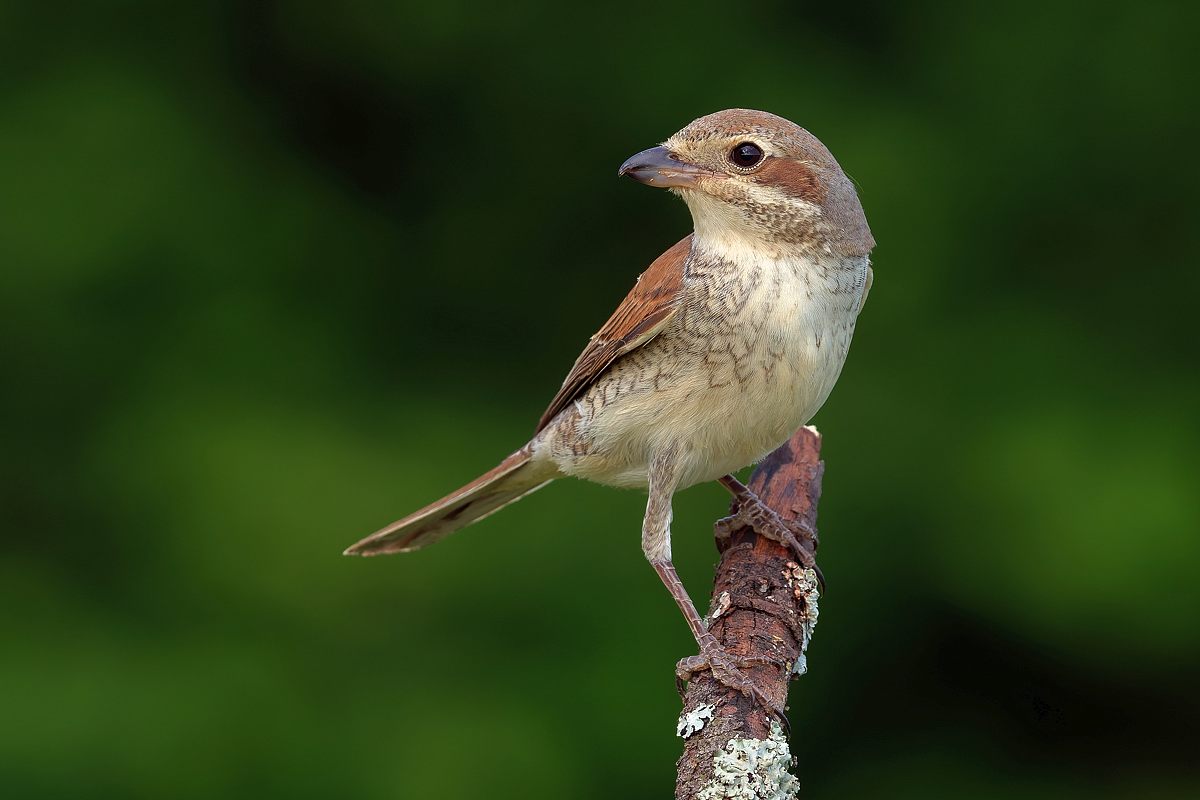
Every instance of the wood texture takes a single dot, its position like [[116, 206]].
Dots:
[[759, 611]]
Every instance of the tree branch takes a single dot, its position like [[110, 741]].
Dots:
[[764, 606]]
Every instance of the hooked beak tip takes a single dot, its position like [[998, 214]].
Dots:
[[658, 166]]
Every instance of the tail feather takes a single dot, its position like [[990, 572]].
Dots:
[[515, 477]]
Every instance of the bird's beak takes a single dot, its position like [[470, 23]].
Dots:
[[658, 166]]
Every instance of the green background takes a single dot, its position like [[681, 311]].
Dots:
[[272, 275]]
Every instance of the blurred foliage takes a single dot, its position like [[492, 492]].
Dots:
[[275, 274]]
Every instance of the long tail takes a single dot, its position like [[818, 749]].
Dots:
[[515, 477]]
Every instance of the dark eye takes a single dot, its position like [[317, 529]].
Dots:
[[746, 155]]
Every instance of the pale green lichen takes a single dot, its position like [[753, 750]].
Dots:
[[720, 606], [804, 585], [753, 769], [693, 721]]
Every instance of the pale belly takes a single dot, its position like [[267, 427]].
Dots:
[[718, 393]]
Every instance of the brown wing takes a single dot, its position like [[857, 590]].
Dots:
[[642, 314]]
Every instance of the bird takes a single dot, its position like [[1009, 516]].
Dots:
[[727, 344]]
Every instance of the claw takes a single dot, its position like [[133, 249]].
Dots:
[[725, 671], [765, 521]]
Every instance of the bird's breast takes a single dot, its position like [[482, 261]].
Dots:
[[750, 356], [772, 338]]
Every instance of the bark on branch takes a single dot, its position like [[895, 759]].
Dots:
[[764, 606]]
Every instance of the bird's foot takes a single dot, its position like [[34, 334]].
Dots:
[[726, 670], [765, 521]]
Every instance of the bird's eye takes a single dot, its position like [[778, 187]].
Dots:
[[746, 155]]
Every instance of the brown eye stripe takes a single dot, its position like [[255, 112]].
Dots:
[[793, 177]]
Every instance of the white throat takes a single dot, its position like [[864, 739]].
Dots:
[[724, 230]]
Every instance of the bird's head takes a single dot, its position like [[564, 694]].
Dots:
[[753, 178]]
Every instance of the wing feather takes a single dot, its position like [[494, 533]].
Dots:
[[644, 312]]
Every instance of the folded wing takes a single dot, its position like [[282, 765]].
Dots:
[[644, 312]]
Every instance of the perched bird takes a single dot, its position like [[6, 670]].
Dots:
[[727, 344]]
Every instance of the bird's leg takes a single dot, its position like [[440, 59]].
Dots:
[[656, 544], [765, 521]]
